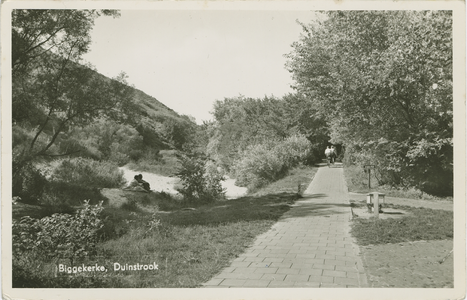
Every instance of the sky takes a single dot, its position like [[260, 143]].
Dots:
[[187, 59]]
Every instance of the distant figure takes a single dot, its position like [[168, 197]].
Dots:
[[327, 152], [143, 183], [333, 154], [138, 185]]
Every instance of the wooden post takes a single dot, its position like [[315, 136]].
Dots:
[[376, 204], [369, 178]]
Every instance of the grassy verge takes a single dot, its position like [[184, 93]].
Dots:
[[189, 246], [296, 181], [421, 224], [357, 181]]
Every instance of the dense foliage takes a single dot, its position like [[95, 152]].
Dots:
[[264, 163], [201, 181], [88, 173], [60, 235], [243, 122], [383, 81]]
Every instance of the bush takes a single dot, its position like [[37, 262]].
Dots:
[[28, 183], [38, 244], [88, 173], [119, 158], [199, 184], [60, 235], [264, 163]]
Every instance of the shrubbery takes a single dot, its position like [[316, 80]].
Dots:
[[264, 163], [88, 173], [60, 235], [41, 242], [200, 183], [28, 183]]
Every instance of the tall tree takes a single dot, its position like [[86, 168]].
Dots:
[[36, 32], [51, 90], [383, 79]]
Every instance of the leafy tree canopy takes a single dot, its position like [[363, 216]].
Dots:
[[383, 81]]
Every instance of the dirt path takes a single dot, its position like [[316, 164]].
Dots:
[[161, 183]]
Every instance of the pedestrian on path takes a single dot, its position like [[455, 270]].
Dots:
[[327, 152], [333, 154]]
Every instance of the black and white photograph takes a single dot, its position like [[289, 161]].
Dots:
[[284, 150]]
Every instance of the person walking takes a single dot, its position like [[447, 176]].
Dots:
[[327, 152], [333, 154]]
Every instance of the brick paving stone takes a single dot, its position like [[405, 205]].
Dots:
[[302, 265], [228, 269], [281, 255], [346, 258], [244, 270], [324, 267], [256, 283], [296, 278], [239, 275], [354, 274], [259, 247], [321, 279], [215, 286], [309, 248], [288, 271], [316, 252], [326, 256], [334, 262], [281, 264], [240, 264], [266, 270], [233, 282], [254, 259], [348, 281], [315, 272], [284, 251], [273, 259], [337, 252], [329, 285], [334, 273], [273, 277], [297, 251], [306, 255], [281, 284], [345, 268], [303, 284], [257, 265], [311, 260]]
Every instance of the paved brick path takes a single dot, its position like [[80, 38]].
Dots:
[[310, 246]]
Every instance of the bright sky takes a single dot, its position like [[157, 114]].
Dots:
[[187, 59]]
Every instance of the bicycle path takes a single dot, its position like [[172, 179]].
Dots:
[[310, 246]]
